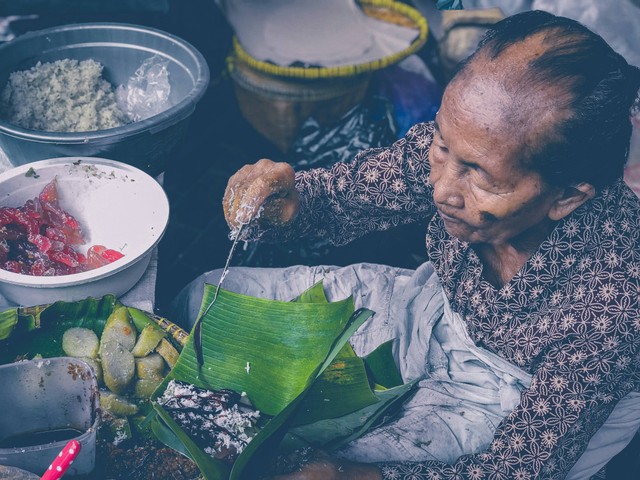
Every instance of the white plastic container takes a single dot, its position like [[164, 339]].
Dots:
[[117, 205]]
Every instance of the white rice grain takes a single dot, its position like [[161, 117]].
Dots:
[[62, 96]]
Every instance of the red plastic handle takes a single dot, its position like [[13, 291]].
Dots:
[[62, 461]]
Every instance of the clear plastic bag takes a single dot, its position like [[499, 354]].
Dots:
[[147, 91]]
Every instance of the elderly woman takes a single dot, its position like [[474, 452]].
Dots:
[[524, 326]]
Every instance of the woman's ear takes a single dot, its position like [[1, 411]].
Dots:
[[571, 198]]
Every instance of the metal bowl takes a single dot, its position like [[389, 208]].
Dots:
[[121, 48], [117, 205]]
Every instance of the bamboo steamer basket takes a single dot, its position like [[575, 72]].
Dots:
[[277, 100]]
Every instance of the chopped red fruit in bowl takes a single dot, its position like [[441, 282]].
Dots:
[[40, 238], [76, 227]]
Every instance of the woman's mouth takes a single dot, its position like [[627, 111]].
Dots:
[[448, 218]]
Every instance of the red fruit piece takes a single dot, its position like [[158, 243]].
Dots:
[[64, 222], [62, 269], [21, 218], [49, 193], [71, 222], [33, 211], [5, 219], [55, 245], [39, 236], [4, 250], [63, 258], [12, 266], [94, 257], [73, 237], [40, 241], [41, 267], [98, 249], [99, 256], [112, 255], [11, 232], [55, 234], [71, 252]]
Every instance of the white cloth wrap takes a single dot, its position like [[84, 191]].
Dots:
[[465, 391]]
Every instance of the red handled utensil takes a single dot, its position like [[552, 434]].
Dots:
[[62, 461]]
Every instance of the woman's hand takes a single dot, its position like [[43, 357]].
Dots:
[[267, 185], [320, 466]]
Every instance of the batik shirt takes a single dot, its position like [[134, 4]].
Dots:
[[570, 317]]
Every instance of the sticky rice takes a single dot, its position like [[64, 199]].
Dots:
[[62, 96]]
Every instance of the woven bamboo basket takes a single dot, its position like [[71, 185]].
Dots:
[[276, 100]]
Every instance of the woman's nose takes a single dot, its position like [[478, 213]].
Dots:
[[446, 187]]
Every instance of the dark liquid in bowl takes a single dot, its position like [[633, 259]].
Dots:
[[43, 437]]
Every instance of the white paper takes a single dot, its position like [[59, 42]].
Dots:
[[325, 33]]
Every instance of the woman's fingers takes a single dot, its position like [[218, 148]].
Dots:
[[264, 185], [281, 211], [234, 191]]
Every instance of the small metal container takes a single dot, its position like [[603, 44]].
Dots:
[[52, 394]]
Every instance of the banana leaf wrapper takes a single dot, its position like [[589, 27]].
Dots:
[[37, 330], [293, 361]]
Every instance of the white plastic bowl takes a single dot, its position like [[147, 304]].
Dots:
[[117, 205]]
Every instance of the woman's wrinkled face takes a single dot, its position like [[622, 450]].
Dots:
[[482, 189]]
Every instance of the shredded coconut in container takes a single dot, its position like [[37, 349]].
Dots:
[[62, 96], [221, 422]]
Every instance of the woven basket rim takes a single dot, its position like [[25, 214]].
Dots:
[[240, 54]]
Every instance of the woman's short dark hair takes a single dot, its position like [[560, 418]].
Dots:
[[592, 145]]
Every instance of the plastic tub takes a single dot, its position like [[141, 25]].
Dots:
[[121, 48], [53, 394], [277, 106], [117, 205]]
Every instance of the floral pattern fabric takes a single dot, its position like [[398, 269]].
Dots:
[[570, 316]]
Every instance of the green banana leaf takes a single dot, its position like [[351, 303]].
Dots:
[[331, 434], [294, 363], [345, 386], [382, 368], [51, 321], [268, 349], [29, 331], [271, 350], [314, 294], [261, 448]]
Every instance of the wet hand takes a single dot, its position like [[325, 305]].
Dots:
[[265, 189]]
